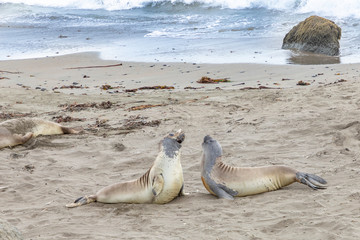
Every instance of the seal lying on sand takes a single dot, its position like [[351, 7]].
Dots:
[[18, 131], [160, 184], [227, 182]]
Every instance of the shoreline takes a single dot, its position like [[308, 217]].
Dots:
[[86, 73]]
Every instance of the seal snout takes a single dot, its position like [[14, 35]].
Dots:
[[208, 139], [179, 136]]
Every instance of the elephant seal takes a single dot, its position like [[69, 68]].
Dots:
[[18, 131], [162, 183], [228, 182]]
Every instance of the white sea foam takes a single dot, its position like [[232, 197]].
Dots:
[[335, 8]]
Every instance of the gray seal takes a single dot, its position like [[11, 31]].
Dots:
[[228, 182]]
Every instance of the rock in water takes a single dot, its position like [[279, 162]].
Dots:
[[9, 232], [314, 34]]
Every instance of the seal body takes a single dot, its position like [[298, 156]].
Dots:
[[18, 131], [227, 182], [160, 184]]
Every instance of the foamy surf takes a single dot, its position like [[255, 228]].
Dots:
[[344, 8], [211, 31]]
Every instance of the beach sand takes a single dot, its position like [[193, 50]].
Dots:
[[313, 128]]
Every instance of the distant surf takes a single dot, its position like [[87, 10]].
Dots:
[[211, 31]]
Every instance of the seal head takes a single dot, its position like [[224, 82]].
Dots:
[[172, 143]]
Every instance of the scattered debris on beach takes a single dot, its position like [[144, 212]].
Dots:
[[142, 107], [60, 119], [107, 87], [173, 102], [336, 82], [29, 167], [302, 83], [76, 107], [257, 88], [2, 71], [136, 122], [150, 88], [14, 115], [97, 66], [127, 125], [211, 80], [70, 87], [193, 88]]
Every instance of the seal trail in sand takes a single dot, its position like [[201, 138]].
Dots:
[[228, 182], [18, 131], [162, 183]]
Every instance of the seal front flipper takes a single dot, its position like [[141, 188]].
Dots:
[[82, 201], [217, 189], [182, 192], [157, 184]]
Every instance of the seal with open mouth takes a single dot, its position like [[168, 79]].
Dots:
[[162, 183]]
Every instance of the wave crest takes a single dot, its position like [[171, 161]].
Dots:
[[336, 8]]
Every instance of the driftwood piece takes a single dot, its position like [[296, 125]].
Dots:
[[99, 66]]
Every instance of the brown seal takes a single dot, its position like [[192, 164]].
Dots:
[[227, 182], [18, 131], [162, 183]]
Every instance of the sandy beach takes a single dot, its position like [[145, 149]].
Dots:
[[262, 116]]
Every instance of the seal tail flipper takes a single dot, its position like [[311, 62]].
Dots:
[[67, 130], [311, 180], [82, 201]]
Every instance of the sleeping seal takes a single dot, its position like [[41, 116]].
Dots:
[[227, 182], [160, 184], [18, 131]]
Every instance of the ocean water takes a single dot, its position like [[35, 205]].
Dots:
[[203, 31]]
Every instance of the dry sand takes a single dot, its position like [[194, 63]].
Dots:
[[313, 128]]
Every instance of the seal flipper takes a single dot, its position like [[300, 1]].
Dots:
[[182, 192], [82, 201], [311, 180], [157, 184], [26, 137], [67, 130], [221, 193], [219, 190], [229, 191]]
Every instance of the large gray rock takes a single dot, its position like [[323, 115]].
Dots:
[[8, 231], [314, 34]]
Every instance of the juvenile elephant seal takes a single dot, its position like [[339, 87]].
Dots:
[[160, 184], [18, 131], [227, 182]]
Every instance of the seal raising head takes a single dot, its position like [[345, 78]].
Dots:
[[228, 182], [162, 183]]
